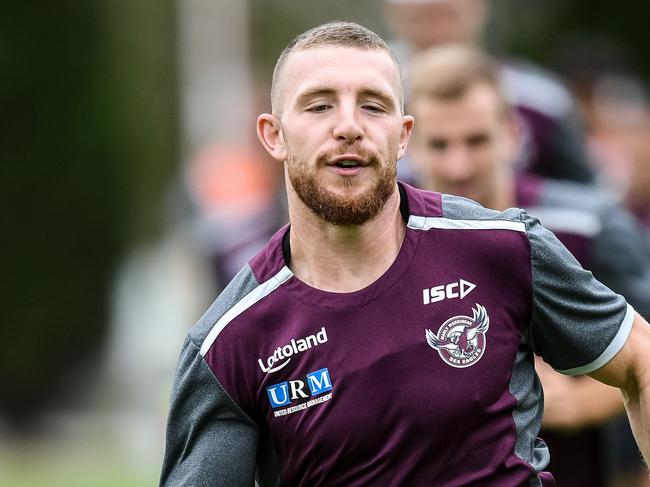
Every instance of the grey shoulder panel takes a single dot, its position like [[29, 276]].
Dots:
[[243, 283], [459, 208], [575, 318], [620, 254], [209, 440]]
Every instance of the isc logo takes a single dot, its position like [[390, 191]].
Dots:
[[458, 289], [314, 384]]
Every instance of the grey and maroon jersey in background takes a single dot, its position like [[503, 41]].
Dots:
[[606, 240], [425, 377], [552, 136]]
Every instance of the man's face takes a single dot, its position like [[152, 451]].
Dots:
[[464, 146], [343, 130]]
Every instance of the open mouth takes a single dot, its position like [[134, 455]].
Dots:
[[347, 163]]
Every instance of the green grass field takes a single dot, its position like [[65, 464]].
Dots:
[[90, 456], [45, 465]]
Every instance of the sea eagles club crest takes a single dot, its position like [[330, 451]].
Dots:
[[460, 341]]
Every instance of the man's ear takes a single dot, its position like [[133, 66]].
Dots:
[[269, 132], [405, 136]]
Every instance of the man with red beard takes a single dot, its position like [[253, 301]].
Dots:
[[334, 357]]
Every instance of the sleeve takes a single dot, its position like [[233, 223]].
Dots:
[[577, 323], [209, 440], [621, 258]]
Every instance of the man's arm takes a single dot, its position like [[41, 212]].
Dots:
[[574, 403], [630, 371], [209, 441]]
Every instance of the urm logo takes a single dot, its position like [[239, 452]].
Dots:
[[314, 384], [458, 289]]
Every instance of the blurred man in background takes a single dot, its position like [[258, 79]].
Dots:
[[465, 142], [621, 128], [553, 143]]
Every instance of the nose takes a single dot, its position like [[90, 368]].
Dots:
[[347, 127]]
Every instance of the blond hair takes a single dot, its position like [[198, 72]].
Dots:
[[448, 72]]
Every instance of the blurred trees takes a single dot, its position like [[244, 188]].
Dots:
[[542, 30], [88, 142]]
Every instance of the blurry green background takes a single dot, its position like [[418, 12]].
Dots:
[[92, 141]]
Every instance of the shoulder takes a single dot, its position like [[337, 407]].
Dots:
[[241, 285], [258, 278], [459, 208], [428, 209]]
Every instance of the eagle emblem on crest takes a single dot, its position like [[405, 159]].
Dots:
[[460, 340]]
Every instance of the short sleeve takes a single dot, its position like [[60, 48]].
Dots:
[[577, 324], [209, 440]]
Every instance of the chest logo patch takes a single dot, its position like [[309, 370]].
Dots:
[[460, 340], [299, 394]]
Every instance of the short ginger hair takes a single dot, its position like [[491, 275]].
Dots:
[[336, 33]]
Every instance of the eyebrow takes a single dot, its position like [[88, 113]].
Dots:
[[383, 96], [323, 91], [314, 92]]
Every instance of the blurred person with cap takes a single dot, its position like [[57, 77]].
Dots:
[[552, 138], [386, 335], [465, 142]]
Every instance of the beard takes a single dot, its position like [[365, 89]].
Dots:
[[342, 210]]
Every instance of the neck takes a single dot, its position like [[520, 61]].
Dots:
[[344, 258]]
